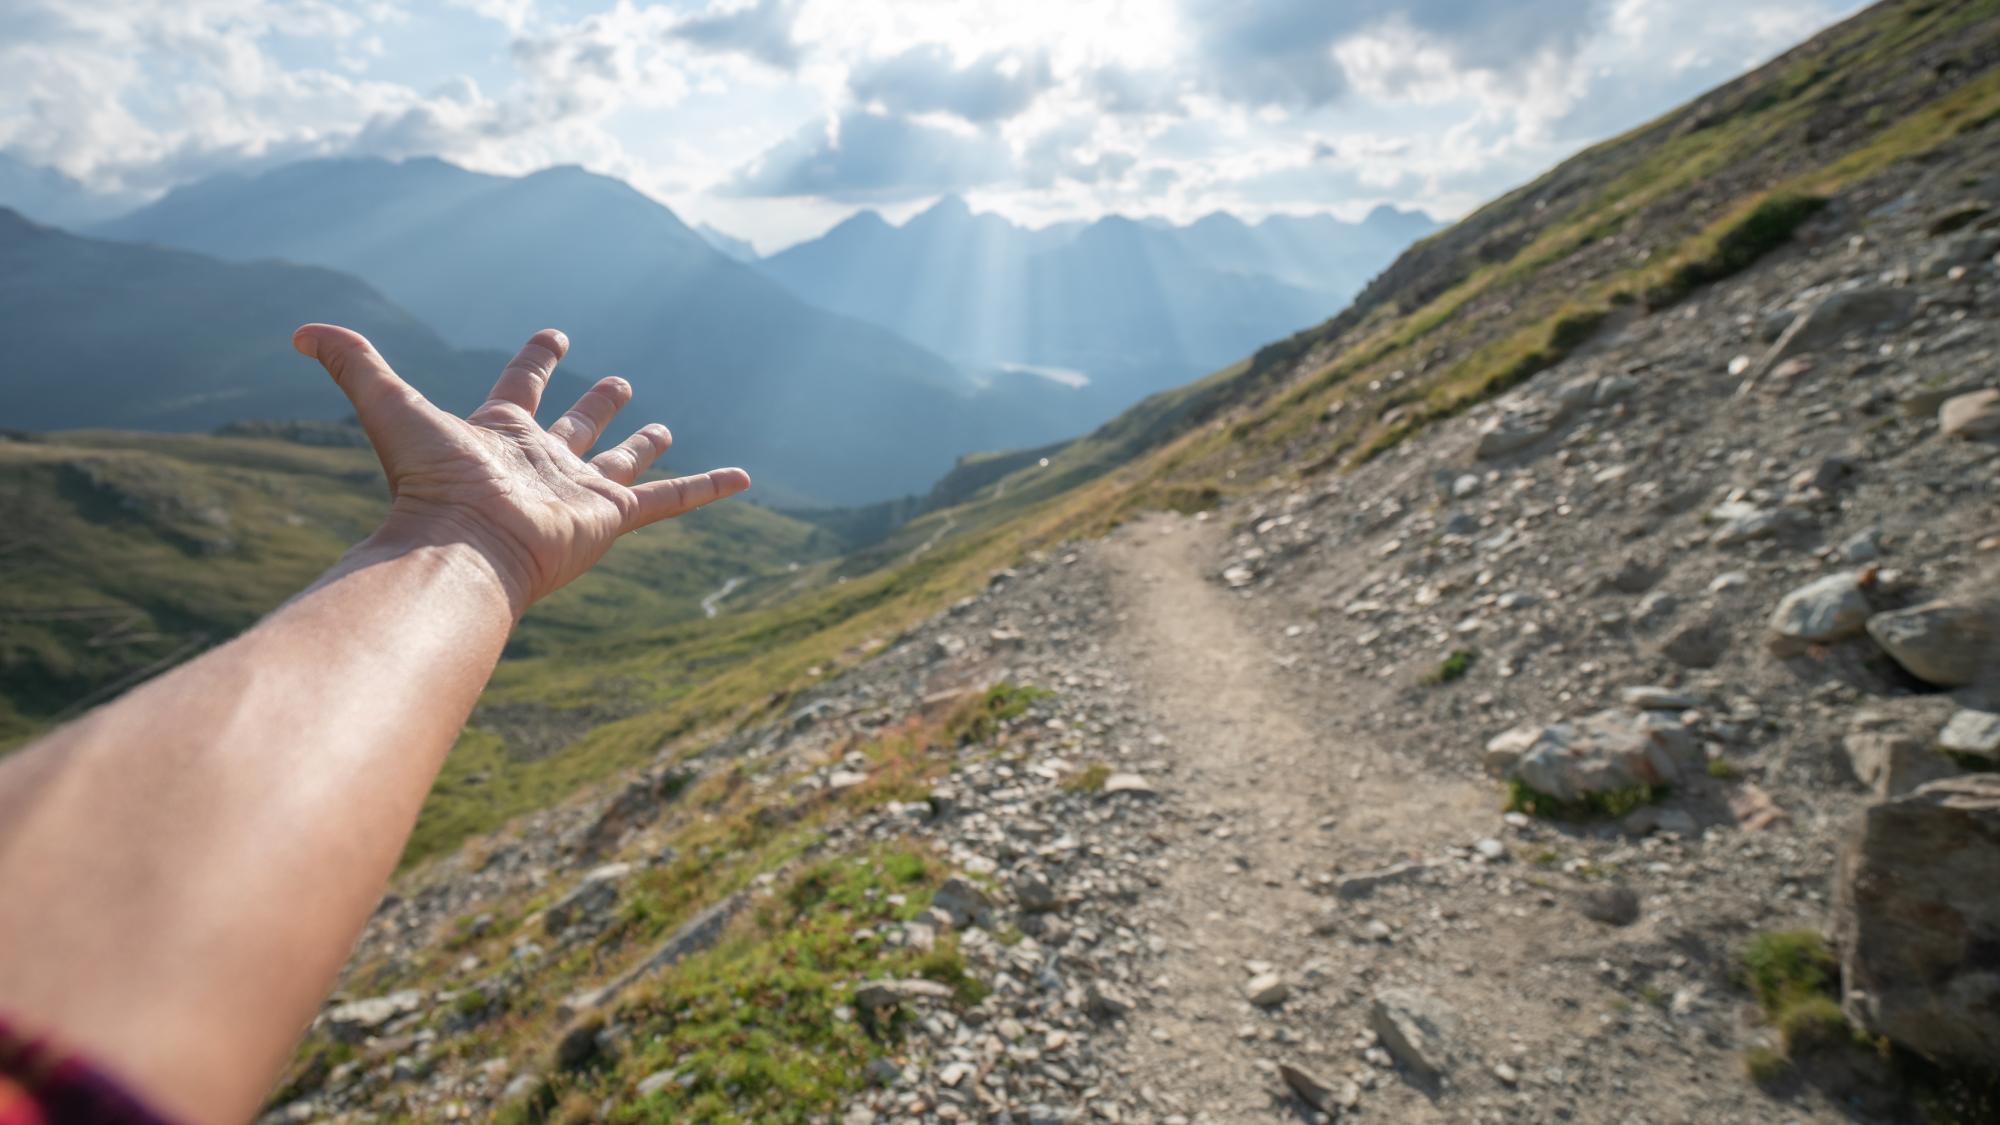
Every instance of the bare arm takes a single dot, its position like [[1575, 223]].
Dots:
[[183, 871]]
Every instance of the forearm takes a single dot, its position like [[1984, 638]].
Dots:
[[184, 871]]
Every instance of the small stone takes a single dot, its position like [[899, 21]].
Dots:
[[1611, 903], [1828, 609], [1491, 849], [844, 779], [596, 894], [858, 1115], [521, 1087], [1862, 546], [964, 903], [1467, 484], [1505, 434], [1518, 599], [886, 993], [1728, 580], [1267, 990], [1972, 416], [1105, 1001], [1699, 645], [1506, 1073], [1655, 607], [655, 1082], [1311, 1089], [1650, 698], [1127, 783], [1363, 883], [1972, 732], [356, 1020], [1416, 1028]]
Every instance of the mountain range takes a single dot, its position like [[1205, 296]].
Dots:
[[855, 367], [1133, 307]]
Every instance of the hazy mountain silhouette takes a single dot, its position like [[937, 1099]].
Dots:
[[1137, 306], [111, 335], [47, 196], [818, 407]]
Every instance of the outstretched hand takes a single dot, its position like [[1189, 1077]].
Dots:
[[496, 480]]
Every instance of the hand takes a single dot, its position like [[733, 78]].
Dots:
[[520, 495]]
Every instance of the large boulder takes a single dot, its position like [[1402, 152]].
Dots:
[[1892, 755], [1945, 643], [1918, 923], [1838, 314], [1603, 753], [1819, 612], [1972, 416]]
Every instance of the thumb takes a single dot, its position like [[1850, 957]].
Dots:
[[357, 368]]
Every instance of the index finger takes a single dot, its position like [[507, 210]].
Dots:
[[528, 372]]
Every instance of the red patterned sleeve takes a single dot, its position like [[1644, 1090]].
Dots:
[[43, 1084]]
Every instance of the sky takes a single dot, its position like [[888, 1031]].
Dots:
[[774, 119]]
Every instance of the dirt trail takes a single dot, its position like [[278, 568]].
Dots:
[[1276, 799]]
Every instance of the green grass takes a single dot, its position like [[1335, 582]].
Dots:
[[979, 718], [1610, 805], [1090, 779], [1453, 667], [1792, 974], [1721, 769]]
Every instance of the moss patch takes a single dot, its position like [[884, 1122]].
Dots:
[[1611, 805]]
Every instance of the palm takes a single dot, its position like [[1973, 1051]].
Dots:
[[521, 493]]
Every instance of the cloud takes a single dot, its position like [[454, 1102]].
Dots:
[[761, 29], [924, 79], [1287, 52], [873, 157]]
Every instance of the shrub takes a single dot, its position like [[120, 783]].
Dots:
[[1768, 226], [1765, 1065], [1787, 967], [1812, 1024], [1611, 805], [979, 718]]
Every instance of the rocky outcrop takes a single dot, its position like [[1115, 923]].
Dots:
[[1946, 643], [1918, 923], [1603, 753]]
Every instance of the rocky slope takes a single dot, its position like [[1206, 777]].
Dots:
[[1599, 732], [1251, 857]]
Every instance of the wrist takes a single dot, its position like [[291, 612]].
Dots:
[[463, 558]]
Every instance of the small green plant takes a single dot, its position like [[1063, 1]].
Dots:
[[1549, 858], [1765, 1065], [1721, 768], [1813, 1024], [979, 719], [905, 867], [1454, 666], [471, 1003], [1787, 967], [1090, 779], [1611, 805]]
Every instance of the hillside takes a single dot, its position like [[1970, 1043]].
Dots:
[[746, 373], [1134, 307], [1518, 499], [125, 553], [109, 334]]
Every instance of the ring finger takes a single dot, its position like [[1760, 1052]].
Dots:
[[579, 428]]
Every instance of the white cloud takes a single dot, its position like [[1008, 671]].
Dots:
[[775, 117]]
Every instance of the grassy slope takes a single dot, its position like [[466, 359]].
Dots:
[[121, 551]]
